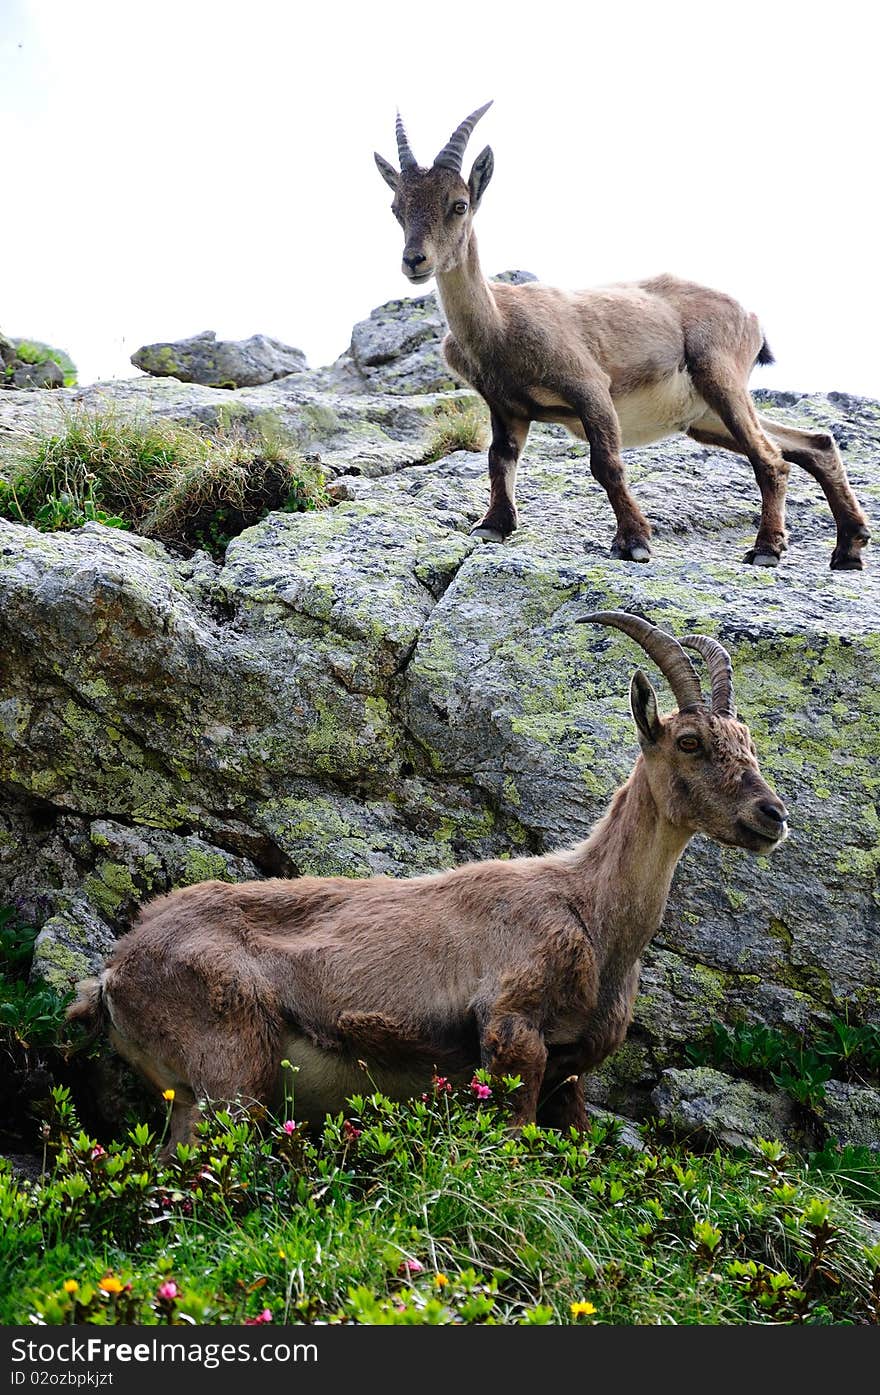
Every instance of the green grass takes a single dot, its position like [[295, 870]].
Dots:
[[160, 478], [426, 1213], [456, 426]]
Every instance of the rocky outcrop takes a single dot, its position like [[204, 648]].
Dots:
[[397, 349], [26, 363], [221, 363], [368, 689], [707, 1106]]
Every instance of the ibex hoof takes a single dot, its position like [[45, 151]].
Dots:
[[493, 535], [761, 559], [630, 552], [847, 556], [846, 562]]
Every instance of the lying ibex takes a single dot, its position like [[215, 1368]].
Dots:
[[620, 365], [528, 966]]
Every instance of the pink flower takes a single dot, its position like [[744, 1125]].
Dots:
[[441, 1085], [481, 1091], [289, 1127], [409, 1266], [264, 1316], [349, 1132], [168, 1290], [98, 1152]]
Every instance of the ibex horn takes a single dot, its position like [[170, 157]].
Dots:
[[720, 672], [660, 646], [452, 154], [407, 158]]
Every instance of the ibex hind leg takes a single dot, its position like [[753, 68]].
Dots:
[[817, 453], [732, 423]]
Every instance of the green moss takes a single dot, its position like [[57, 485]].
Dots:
[[58, 964], [110, 888], [204, 866]]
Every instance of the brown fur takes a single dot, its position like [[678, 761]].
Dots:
[[618, 365], [528, 966]]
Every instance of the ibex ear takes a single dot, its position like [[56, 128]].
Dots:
[[481, 174], [388, 172], [643, 701]]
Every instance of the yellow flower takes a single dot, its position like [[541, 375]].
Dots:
[[110, 1284], [282, 1255], [168, 1095], [70, 1286], [440, 1280], [582, 1310]]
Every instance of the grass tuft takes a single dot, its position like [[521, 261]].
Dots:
[[457, 426], [159, 478]]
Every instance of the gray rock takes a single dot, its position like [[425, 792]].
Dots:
[[72, 944], [708, 1105], [224, 363], [47, 374], [397, 349], [851, 1114], [28, 363]]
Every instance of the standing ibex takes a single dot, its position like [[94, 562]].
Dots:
[[528, 966], [620, 365]]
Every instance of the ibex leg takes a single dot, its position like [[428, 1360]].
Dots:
[[508, 439], [602, 429], [733, 423], [817, 453]]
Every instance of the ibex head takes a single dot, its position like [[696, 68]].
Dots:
[[435, 206], [701, 761]]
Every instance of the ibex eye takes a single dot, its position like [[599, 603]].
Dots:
[[689, 744], [460, 206]]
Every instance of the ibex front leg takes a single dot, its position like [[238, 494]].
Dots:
[[512, 1045], [508, 438], [602, 429]]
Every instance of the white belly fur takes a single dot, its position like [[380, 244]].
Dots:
[[647, 414], [662, 409], [325, 1080]]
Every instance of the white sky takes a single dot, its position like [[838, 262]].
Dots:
[[173, 167]]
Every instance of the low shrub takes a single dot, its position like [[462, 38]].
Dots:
[[427, 1212]]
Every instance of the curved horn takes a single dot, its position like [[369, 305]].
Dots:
[[452, 154], [720, 672], [660, 646], [407, 158]]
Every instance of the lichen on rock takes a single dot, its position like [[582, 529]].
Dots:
[[368, 689]]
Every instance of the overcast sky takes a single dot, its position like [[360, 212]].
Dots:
[[174, 167]]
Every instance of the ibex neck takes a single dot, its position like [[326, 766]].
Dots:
[[628, 861], [468, 302]]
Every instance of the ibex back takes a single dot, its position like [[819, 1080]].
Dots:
[[527, 967], [619, 366]]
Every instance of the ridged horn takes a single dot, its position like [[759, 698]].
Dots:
[[407, 158], [660, 646], [452, 154], [720, 672]]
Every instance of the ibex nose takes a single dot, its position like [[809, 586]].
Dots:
[[773, 810], [414, 259]]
